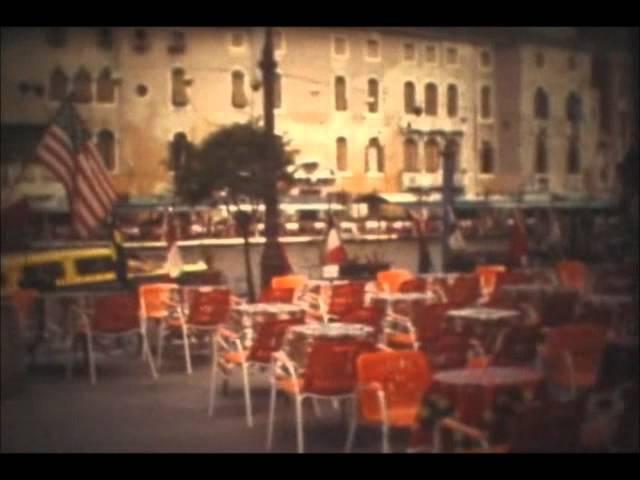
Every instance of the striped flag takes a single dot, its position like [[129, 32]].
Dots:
[[67, 151], [335, 253]]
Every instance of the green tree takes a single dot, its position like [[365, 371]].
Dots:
[[230, 167]]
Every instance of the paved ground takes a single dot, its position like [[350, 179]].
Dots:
[[128, 412]]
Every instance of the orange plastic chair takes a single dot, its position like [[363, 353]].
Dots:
[[573, 274], [289, 281], [417, 285], [572, 355], [269, 337], [330, 374], [159, 301], [428, 321], [370, 316], [488, 275], [391, 385], [114, 315], [392, 279], [277, 295]]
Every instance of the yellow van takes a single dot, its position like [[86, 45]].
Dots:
[[58, 268], [77, 266]]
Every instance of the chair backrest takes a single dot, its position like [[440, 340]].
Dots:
[[370, 316], [209, 306], [346, 298], [154, 298], [289, 281], [404, 376], [488, 276], [573, 274], [417, 284], [116, 313], [277, 295], [578, 339], [463, 290], [331, 365], [269, 337], [392, 279]]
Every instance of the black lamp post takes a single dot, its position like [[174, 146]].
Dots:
[[273, 261]]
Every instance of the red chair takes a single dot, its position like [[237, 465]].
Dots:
[[345, 298], [428, 320], [450, 352], [559, 308], [417, 285], [390, 280], [517, 346], [391, 385], [115, 315], [161, 302], [277, 295], [464, 290], [370, 316], [572, 355], [488, 277], [330, 374], [268, 340], [573, 274]]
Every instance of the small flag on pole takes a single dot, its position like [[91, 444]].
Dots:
[[335, 253], [67, 151]]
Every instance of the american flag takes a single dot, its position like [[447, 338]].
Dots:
[[68, 152]]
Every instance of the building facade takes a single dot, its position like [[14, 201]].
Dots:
[[365, 104]]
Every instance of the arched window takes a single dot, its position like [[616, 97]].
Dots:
[[486, 158], [452, 101], [58, 85], [541, 104], [341, 94], [485, 102], [574, 108], [105, 87], [541, 163], [409, 98], [573, 156], [432, 155], [342, 159], [431, 99], [179, 95], [82, 86], [410, 155], [374, 157], [372, 89], [106, 144], [238, 95], [178, 150], [277, 90]]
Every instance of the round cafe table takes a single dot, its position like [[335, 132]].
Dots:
[[299, 338], [483, 323], [245, 318]]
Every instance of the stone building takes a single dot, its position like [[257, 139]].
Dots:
[[535, 112]]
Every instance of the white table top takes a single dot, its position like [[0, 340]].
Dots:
[[615, 299], [406, 296], [483, 313], [255, 308], [331, 330], [490, 376]]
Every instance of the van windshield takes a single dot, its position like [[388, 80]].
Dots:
[[94, 265]]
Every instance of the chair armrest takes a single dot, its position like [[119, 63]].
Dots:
[[228, 334], [280, 358], [237, 301]]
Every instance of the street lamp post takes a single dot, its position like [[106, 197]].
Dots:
[[273, 261]]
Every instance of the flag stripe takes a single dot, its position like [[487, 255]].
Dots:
[[66, 150]]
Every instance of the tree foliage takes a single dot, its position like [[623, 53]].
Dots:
[[233, 160]]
